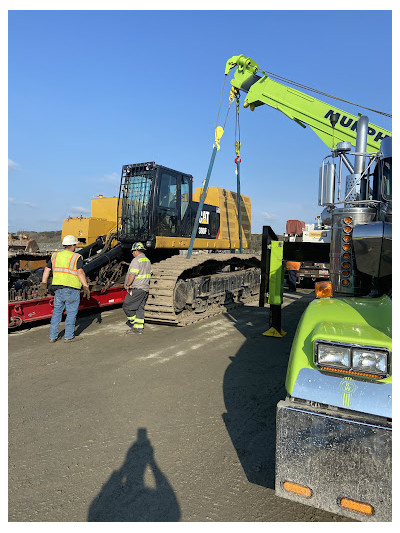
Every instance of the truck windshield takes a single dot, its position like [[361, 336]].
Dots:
[[135, 207]]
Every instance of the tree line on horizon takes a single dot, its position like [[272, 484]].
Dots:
[[48, 236]]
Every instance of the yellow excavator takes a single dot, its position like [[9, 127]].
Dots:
[[157, 206]]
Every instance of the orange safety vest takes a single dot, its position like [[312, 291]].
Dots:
[[64, 269], [293, 265]]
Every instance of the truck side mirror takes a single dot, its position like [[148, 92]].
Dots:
[[326, 193]]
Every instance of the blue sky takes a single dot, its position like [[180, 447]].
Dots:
[[90, 91]]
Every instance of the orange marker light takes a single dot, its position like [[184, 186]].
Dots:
[[346, 255], [323, 289], [301, 490], [350, 372], [347, 238], [346, 273], [346, 246], [345, 282], [347, 220], [346, 264], [347, 229], [359, 507]]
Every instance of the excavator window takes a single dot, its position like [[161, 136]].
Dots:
[[135, 206], [184, 196], [168, 208], [167, 196]]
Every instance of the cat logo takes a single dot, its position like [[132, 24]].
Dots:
[[205, 217], [348, 388]]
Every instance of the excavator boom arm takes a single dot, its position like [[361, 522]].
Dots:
[[300, 107]]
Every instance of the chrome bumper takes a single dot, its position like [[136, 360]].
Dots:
[[336, 458]]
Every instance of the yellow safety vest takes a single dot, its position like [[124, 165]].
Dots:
[[64, 269]]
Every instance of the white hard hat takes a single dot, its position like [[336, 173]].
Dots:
[[69, 240]]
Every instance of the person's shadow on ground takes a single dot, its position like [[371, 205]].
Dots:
[[125, 496], [85, 320]]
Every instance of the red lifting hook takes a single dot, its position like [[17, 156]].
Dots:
[[236, 160]]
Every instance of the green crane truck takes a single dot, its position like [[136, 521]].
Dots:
[[334, 439], [334, 429]]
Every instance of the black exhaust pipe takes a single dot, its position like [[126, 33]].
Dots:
[[91, 249]]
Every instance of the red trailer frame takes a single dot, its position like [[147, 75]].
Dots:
[[26, 311]]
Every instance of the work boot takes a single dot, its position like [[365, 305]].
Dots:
[[136, 331], [71, 340]]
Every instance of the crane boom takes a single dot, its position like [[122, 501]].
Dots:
[[298, 106]]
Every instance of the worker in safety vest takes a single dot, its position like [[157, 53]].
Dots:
[[68, 278], [137, 283], [292, 267]]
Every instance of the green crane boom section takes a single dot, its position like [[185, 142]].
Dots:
[[298, 106]]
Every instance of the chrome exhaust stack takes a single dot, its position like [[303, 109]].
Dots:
[[356, 187]]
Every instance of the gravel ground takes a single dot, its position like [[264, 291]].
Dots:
[[175, 425]]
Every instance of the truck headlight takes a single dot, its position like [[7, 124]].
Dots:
[[360, 360], [373, 361], [333, 355]]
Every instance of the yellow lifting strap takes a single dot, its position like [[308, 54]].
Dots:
[[237, 148]]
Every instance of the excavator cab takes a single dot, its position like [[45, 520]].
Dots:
[[155, 201]]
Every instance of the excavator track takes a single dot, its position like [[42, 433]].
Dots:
[[184, 291]]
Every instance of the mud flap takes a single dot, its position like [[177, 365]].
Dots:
[[335, 458]]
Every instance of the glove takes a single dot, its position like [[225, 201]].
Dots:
[[86, 292], [42, 289]]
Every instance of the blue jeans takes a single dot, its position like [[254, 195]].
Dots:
[[292, 279], [69, 299]]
